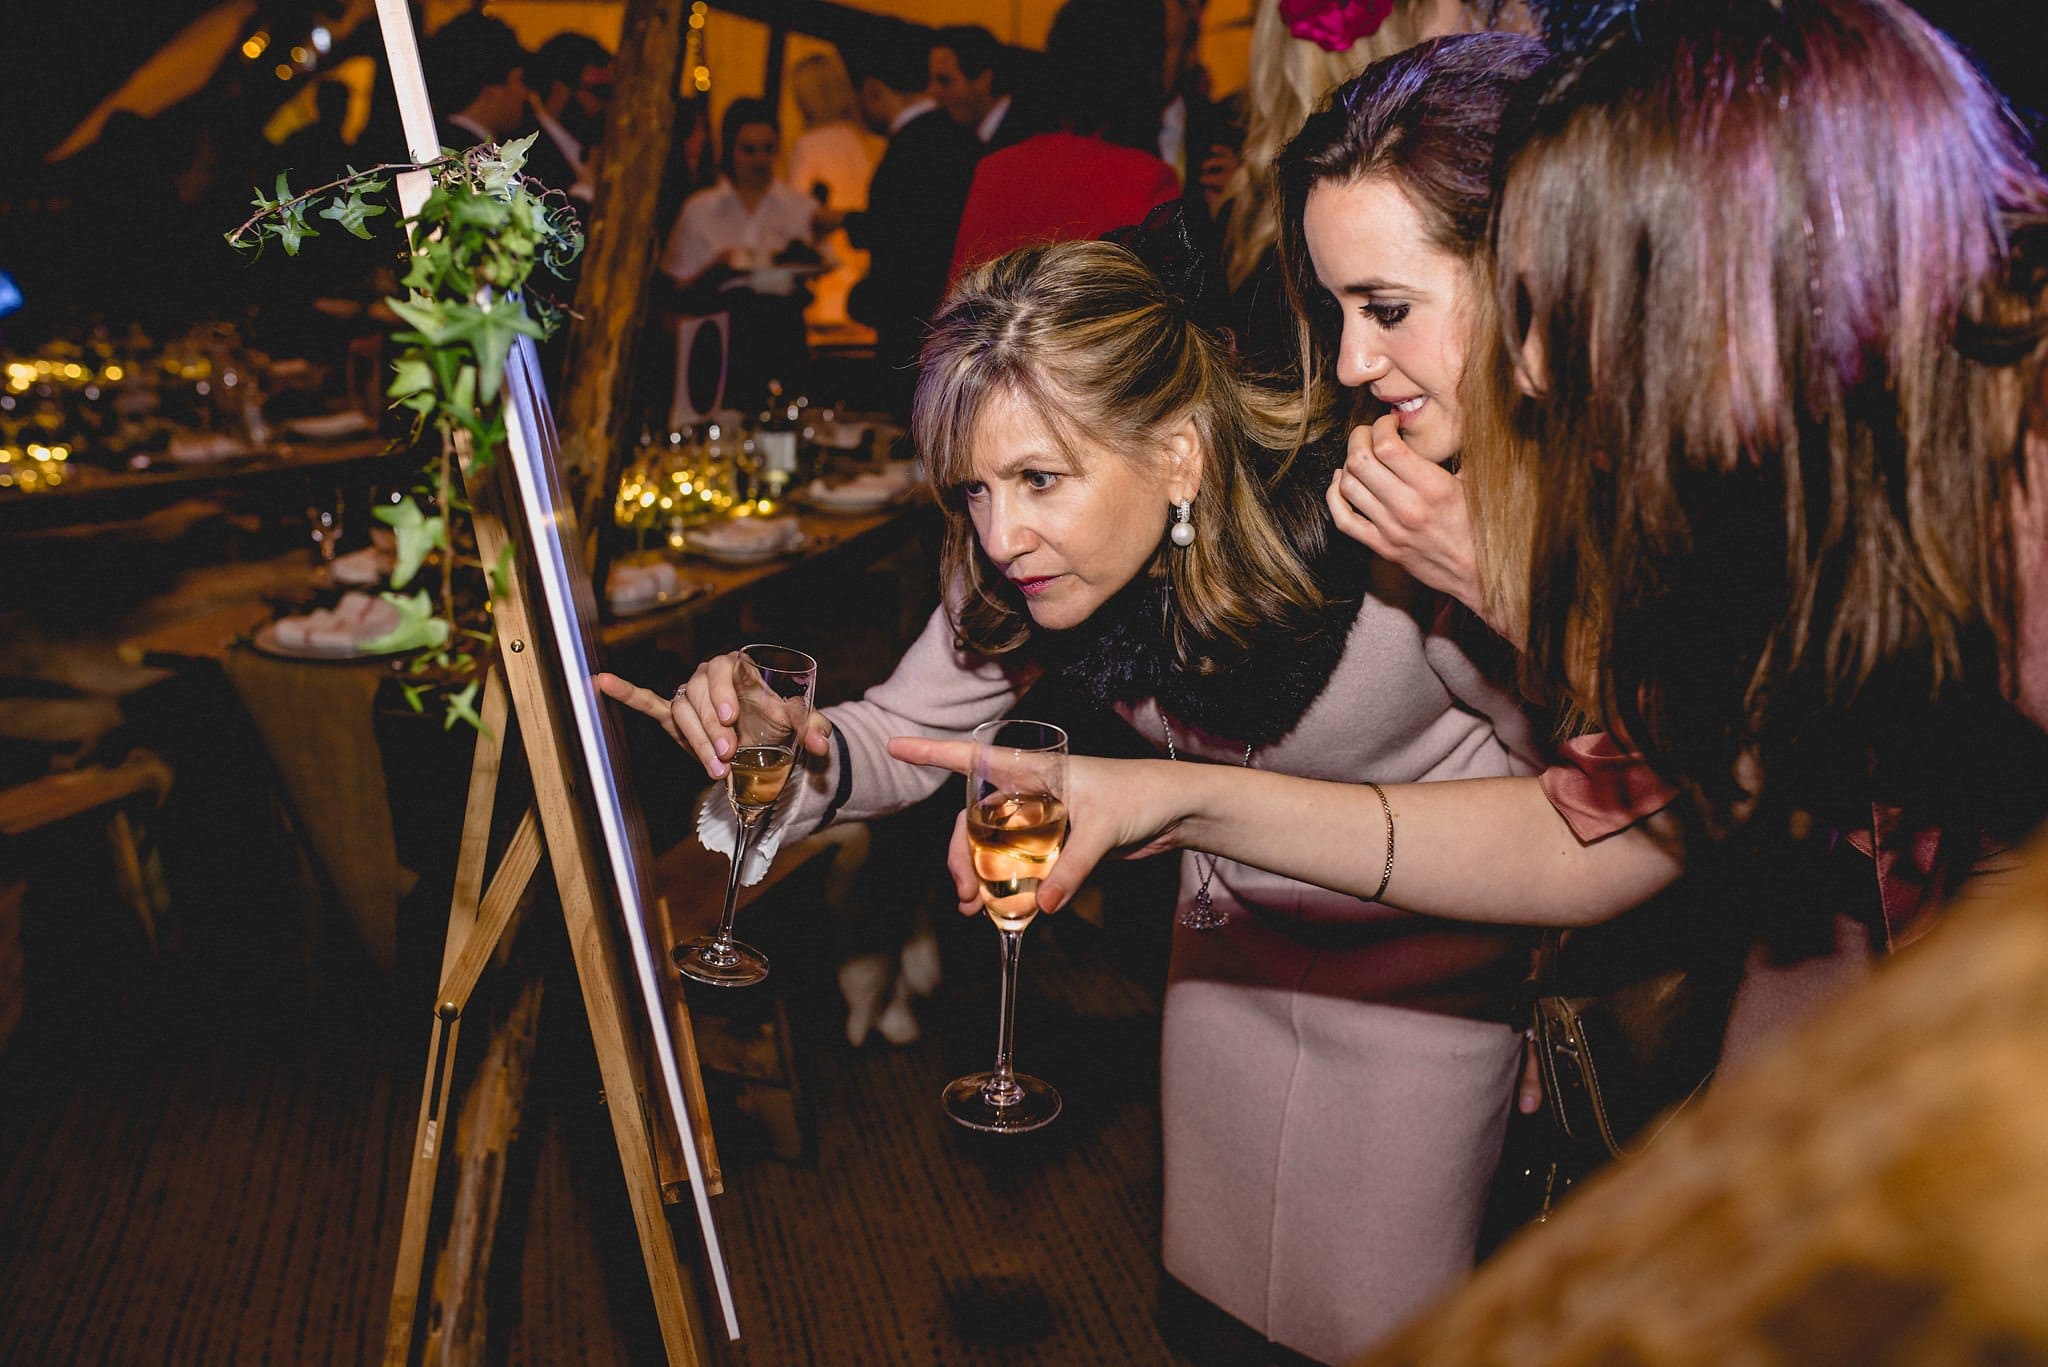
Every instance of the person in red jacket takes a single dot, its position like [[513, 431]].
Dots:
[[1093, 166]]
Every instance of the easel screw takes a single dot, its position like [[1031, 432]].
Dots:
[[518, 646], [448, 1011]]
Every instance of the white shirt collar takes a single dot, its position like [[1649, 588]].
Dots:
[[992, 120], [917, 108], [1173, 133]]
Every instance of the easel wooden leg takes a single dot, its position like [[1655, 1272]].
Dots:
[[633, 1116], [481, 921], [464, 945]]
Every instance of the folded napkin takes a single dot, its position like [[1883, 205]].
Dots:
[[750, 534], [871, 486], [328, 426], [196, 448], [356, 618], [366, 566], [842, 435], [638, 583]]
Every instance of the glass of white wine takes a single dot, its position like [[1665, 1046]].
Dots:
[[1016, 823], [775, 686]]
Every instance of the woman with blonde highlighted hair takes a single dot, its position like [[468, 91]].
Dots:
[[1122, 514], [831, 162]]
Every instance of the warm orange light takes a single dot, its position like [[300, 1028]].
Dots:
[[284, 71]]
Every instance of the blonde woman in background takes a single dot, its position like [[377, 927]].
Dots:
[[831, 162]]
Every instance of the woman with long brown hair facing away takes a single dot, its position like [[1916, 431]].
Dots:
[[1120, 507]]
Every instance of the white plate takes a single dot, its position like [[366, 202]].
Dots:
[[683, 592], [747, 555], [849, 507], [265, 640], [328, 426]]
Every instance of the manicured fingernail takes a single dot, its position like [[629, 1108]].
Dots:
[[725, 712], [1055, 897], [722, 746]]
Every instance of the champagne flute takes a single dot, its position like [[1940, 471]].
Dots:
[[324, 518], [1016, 823], [775, 685]]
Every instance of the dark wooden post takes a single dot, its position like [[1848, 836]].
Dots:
[[611, 296]]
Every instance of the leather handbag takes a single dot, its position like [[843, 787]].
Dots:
[[1627, 1020]]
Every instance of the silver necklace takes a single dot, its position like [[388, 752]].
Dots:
[[1203, 914]]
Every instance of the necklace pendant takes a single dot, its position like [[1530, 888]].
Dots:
[[1203, 914]]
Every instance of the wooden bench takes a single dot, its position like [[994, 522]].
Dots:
[[54, 798], [689, 887], [59, 797]]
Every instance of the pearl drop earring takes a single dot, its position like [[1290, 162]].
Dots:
[[1183, 533]]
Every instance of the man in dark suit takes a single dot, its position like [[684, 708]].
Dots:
[[570, 77], [970, 83], [476, 76], [913, 213]]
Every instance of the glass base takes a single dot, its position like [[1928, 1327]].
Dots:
[[1035, 1103], [721, 964]]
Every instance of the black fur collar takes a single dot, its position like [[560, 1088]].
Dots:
[[1257, 695]]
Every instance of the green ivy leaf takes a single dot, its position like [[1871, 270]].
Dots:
[[462, 707], [410, 375], [498, 170], [501, 573], [418, 535], [428, 317], [498, 323], [414, 694], [418, 628], [351, 212], [293, 230]]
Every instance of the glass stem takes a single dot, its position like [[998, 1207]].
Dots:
[[744, 844], [1002, 1089]]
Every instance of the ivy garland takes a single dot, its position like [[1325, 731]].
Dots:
[[476, 242]]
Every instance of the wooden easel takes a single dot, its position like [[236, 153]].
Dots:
[[653, 1090], [480, 918]]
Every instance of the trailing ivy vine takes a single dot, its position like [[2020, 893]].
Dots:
[[476, 242]]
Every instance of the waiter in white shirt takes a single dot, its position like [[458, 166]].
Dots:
[[741, 248]]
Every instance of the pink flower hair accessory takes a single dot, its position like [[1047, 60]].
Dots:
[[1334, 25]]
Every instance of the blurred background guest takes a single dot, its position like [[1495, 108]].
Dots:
[[1198, 136], [968, 80], [1095, 167], [570, 80], [831, 162], [692, 159], [476, 70], [732, 249], [914, 203]]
